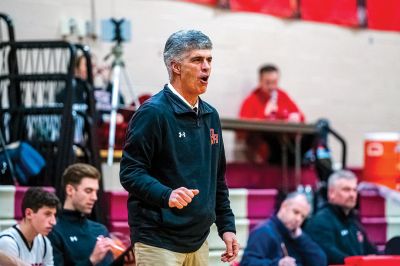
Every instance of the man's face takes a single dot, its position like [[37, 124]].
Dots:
[[81, 70], [194, 70], [269, 81], [344, 193], [83, 196], [43, 220], [293, 212]]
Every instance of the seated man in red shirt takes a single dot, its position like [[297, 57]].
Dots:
[[268, 102]]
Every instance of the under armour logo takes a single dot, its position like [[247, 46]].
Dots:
[[213, 137], [3, 168], [182, 134], [73, 239]]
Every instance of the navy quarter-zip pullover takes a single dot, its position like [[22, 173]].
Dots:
[[169, 146]]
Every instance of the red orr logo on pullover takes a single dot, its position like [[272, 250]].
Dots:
[[213, 137]]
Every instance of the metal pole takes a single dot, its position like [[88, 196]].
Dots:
[[118, 71], [297, 165], [113, 114], [284, 149]]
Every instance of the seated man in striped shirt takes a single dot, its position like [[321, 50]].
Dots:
[[27, 240]]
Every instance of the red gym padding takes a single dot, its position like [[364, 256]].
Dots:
[[342, 12], [280, 8], [383, 15]]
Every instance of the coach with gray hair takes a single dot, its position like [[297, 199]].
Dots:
[[173, 164], [335, 227]]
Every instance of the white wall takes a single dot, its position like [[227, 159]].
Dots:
[[349, 76]]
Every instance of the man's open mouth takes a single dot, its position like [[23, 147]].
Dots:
[[204, 78]]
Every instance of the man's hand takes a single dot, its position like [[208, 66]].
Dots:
[[287, 261], [181, 197], [270, 108], [294, 117], [297, 232], [129, 259], [232, 247], [103, 245]]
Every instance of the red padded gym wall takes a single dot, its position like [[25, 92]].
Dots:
[[342, 12], [279, 8], [383, 14]]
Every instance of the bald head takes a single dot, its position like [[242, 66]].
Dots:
[[296, 196], [294, 210]]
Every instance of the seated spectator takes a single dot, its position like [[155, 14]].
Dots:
[[335, 227], [280, 240], [99, 74], [271, 103], [27, 240], [80, 73], [268, 101], [77, 240]]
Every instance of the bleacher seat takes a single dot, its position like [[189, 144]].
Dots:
[[120, 226], [379, 216], [7, 199], [342, 12], [371, 204], [376, 228], [238, 199], [252, 203], [259, 176], [383, 15], [280, 8], [117, 207], [261, 203], [6, 223]]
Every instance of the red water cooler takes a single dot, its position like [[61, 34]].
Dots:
[[382, 159]]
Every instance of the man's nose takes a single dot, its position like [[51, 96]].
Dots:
[[206, 65], [94, 196], [53, 220]]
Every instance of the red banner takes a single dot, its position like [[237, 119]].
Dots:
[[342, 12], [383, 14], [280, 8]]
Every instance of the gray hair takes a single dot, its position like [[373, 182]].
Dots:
[[295, 194], [181, 42], [341, 174]]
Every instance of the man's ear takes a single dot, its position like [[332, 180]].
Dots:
[[28, 213], [284, 204], [69, 189], [331, 193], [176, 67]]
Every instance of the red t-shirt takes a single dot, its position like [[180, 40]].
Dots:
[[255, 104]]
